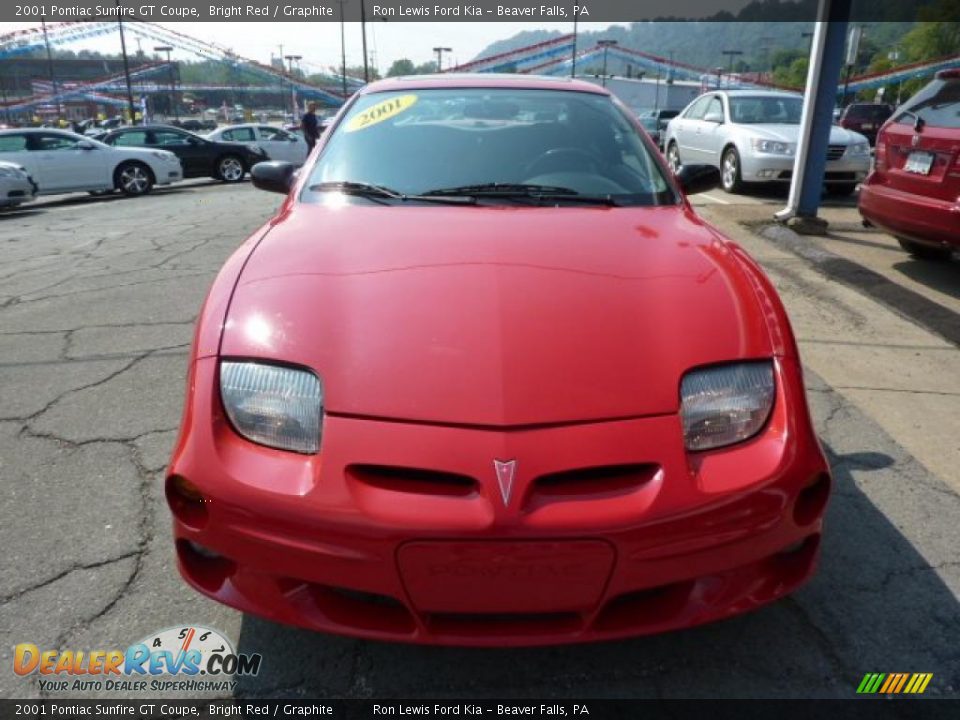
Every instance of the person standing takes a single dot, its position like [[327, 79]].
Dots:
[[310, 125]]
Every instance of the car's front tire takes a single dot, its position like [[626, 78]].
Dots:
[[730, 178], [230, 169], [925, 252], [673, 157], [133, 178]]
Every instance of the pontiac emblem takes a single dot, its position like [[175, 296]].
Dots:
[[505, 472], [915, 140]]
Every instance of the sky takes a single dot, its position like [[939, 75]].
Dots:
[[319, 42]]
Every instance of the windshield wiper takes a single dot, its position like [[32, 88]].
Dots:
[[370, 190], [540, 193], [918, 121]]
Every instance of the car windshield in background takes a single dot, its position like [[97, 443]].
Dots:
[[765, 110], [492, 144], [937, 105]]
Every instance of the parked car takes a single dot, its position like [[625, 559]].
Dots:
[[190, 124], [224, 161], [914, 190], [16, 185], [61, 161], [865, 118], [277, 143], [752, 135], [655, 122], [493, 383]]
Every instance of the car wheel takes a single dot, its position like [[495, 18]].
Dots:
[[133, 178], [673, 157], [230, 169], [925, 252], [842, 189], [730, 177]]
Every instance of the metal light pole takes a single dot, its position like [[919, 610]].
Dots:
[[53, 79], [173, 91], [573, 60], [605, 44], [731, 54], [290, 60], [343, 51], [440, 51], [363, 34], [126, 69]]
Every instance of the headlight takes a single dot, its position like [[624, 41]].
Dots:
[[771, 147], [725, 404], [860, 149], [273, 405], [11, 172]]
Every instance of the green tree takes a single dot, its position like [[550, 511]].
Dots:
[[402, 66], [794, 75]]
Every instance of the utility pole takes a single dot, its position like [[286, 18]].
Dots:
[[126, 68], [173, 91], [605, 44], [53, 79], [440, 51]]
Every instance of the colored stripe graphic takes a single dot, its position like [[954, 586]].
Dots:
[[894, 683]]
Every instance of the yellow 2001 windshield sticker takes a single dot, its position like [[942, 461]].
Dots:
[[380, 112]]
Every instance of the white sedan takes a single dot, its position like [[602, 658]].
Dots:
[[61, 162], [277, 143], [16, 185]]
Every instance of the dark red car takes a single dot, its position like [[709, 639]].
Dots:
[[865, 118], [487, 379], [914, 191]]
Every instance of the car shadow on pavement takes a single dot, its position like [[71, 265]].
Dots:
[[874, 605], [943, 276]]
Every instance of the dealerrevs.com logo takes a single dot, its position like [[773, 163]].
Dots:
[[191, 658]]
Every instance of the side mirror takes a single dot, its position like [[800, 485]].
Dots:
[[714, 118], [85, 145], [695, 179], [275, 176]]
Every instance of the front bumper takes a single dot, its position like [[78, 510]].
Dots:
[[779, 168], [342, 542]]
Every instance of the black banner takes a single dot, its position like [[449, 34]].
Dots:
[[468, 11], [857, 709]]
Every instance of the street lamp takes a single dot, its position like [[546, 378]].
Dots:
[[605, 44], [731, 54], [53, 79], [440, 51], [126, 67], [173, 89], [343, 51], [573, 58], [290, 60]]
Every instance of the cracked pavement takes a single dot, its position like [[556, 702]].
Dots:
[[97, 303]]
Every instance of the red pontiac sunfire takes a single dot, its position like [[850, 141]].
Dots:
[[486, 379]]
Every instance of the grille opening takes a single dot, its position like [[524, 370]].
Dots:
[[792, 564], [205, 569], [649, 607], [361, 609], [601, 481], [485, 624], [812, 500], [413, 480]]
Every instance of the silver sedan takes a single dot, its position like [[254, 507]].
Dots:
[[16, 185], [751, 136]]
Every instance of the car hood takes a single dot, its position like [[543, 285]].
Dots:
[[495, 316], [790, 133]]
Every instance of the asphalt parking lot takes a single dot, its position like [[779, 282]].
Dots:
[[97, 303]]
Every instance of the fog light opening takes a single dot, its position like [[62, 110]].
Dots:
[[812, 500], [203, 566], [186, 502]]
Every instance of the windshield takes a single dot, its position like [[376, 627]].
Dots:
[[423, 141], [759, 110]]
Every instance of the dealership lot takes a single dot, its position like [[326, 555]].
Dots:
[[97, 302]]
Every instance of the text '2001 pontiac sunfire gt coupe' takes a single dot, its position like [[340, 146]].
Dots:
[[486, 379]]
